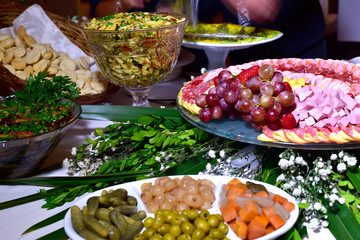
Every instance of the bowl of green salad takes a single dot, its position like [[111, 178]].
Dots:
[[33, 121]]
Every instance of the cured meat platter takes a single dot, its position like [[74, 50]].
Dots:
[[325, 107]]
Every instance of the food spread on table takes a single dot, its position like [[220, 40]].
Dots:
[[135, 49], [225, 33], [22, 55], [289, 100], [247, 210]]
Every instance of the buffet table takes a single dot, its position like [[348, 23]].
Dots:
[[16, 220]]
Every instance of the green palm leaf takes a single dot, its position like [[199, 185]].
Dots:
[[70, 181], [57, 235], [343, 225], [126, 113]]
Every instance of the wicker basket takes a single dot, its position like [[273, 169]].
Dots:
[[9, 11]]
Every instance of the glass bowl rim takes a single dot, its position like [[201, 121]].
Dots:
[[72, 120], [185, 21]]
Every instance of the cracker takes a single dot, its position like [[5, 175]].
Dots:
[[18, 63], [21, 75], [7, 43], [68, 65], [1, 56], [100, 86], [22, 32], [19, 42], [84, 62], [8, 57], [29, 40], [48, 55], [53, 69], [19, 51], [28, 70], [4, 36], [55, 62], [33, 56], [10, 68], [41, 66]]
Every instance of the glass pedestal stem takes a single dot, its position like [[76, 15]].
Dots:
[[140, 96]]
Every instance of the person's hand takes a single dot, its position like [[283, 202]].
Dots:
[[259, 11], [107, 7]]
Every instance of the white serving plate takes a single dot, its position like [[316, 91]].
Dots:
[[133, 189]]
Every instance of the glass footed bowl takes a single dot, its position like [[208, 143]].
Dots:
[[23, 157], [136, 59]]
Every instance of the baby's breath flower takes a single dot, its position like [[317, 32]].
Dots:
[[333, 197], [317, 206], [283, 163], [333, 157], [208, 167], [158, 159], [299, 178], [287, 186], [297, 192], [325, 224], [93, 135], [341, 167], [341, 200], [320, 164], [352, 161], [211, 154], [222, 153], [341, 154], [73, 151], [281, 177], [66, 163]]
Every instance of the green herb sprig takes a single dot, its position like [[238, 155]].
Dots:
[[38, 108]]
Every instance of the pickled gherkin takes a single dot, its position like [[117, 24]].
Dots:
[[114, 215]]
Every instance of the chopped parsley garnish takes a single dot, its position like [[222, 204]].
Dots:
[[38, 108]]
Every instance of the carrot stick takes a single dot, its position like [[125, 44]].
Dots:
[[248, 212]]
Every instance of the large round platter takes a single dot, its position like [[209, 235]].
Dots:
[[133, 189], [240, 131], [229, 46]]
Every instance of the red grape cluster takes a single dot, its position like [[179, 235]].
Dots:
[[264, 99]]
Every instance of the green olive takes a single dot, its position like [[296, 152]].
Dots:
[[168, 236], [198, 234], [148, 233], [220, 217], [223, 227], [216, 233], [184, 237], [175, 230], [192, 215], [204, 214], [157, 224], [169, 216], [185, 211], [156, 237], [208, 238], [202, 224], [159, 212], [165, 228], [187, 227], [184, 218], [177, 221], [139, 236], [213, 221], [148, 222]]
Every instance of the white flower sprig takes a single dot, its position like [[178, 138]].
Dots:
[[310, 186], [228, 159]]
